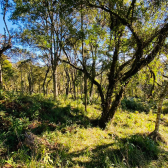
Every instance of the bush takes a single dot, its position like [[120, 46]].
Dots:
[[138, 150], [135, 105]]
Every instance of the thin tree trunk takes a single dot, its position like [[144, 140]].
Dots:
[[155, 134], [55, 83], [22, 81], [157, 123], [85, 91], [1, 84], [68, 80], [160, 104], [47, 71], [30, 83], [74, 90], [81, 87], [47, 85], [84, 62]]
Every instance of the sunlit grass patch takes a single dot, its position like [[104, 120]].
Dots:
[[71, 141]]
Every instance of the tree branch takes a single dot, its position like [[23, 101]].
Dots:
[[145, 61], [88, 75], [123, 20]]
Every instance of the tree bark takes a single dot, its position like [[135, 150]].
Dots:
[[85, 91], [160, 104], [108, 110], [155, 135], [55, 83], [47, 71], [1, 84], [68, 80]]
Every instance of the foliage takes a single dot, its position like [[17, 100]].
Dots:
[[119, 48], [110, 42], [135, 105], [64, 136], [137, 148]]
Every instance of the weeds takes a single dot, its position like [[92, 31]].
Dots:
[[60, 135]]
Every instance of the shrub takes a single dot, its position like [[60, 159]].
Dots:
[[133, 104], [138, 150]]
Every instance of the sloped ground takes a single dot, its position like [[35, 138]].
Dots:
[[37, 132]]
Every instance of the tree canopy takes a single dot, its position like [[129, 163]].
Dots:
[[110, 42]]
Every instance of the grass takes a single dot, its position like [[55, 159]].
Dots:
[[38, 132]]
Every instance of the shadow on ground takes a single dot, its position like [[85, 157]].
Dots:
[[37, 116], [135, 151]]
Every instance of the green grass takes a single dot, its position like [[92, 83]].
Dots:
[[64, 136]]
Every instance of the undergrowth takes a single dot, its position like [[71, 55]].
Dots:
[[36, 131]]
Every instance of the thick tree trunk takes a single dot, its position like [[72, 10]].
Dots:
[[108, 109]]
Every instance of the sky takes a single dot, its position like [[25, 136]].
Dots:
[[2, 25]]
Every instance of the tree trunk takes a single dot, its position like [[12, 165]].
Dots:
[[155, 135], [74, 90], [108, 110], [1, 84], [91, 92], [68, 80], [85, 91], [30, 83], [55, 83], [73, 83], [81, 87], [47, 85], [161, 99], [39, 87], [47, 71], [22, 81], [157, 123]]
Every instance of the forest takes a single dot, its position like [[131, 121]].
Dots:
[[84, 83]]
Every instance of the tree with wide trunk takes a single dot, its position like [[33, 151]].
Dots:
[[128, 33]]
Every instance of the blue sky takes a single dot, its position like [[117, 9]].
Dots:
[[2, 25]]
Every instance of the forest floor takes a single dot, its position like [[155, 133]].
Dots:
[[38, 132]]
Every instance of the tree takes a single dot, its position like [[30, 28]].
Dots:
[[131, 31], [8, 72], [5, 41], [135, 33], [44, 28]]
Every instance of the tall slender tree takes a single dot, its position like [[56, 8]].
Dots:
[[5, 40]]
